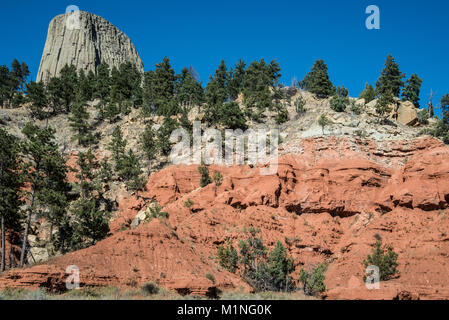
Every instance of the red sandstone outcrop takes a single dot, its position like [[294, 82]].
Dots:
[[326, 203]]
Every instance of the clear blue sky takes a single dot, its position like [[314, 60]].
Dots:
[[202, 32]]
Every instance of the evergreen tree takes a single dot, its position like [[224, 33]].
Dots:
[[4, 85], [163, 135], [102, 85], [46, 168], [148, 141], [256, 88], [205, 177], [86, 163], [86, 85], [10, 186], [216, 93], [17, 80], [69, 83], [340, 101], [117, 147], [188, 91], [317, 81], [91, 222], [231, 116], [412, 89], [390, 80], [368, 93], [383, 106], [148, 106], [323, 122], [280, 267], [79, 122], [159, 89], [125, 86], [36, 95], [236, 79], [130, 172], [445, 108], [55, 95]]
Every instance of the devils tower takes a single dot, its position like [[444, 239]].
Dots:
[[92, 41]]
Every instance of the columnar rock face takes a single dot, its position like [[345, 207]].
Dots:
[[95, 41]]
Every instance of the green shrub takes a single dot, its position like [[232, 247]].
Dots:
[[149, 288], [205, 178], [423, 117], [227, 256], [210, 277], [157, 213], [266, 272], [385, 259], [313, 283], [355, 108], [189, 203], [300, 105]]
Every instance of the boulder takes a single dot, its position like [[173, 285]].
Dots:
[[407, 114]]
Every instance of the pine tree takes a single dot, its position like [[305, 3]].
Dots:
[[412, 89], [125, 86], [86, 85], [130, 172], [340, 101], [36, 95], [117, 147], [160, 89], [86, 163], [148, 106], [4, 84], [17, 80], [317, 81], [46, 166], [236, 79], [163, 135], [102, 86], [323, 122], [368, 93], [280, 267], [148, 141], [69, 83], [445, 108], [256, 88], [390, 80], [188, 91], [79, 122], [216, 93], [383, 106], [205, 177], [91, 222], [231, 116], [10, 187], [55, 95]]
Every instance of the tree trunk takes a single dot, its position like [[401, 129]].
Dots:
[[27, 227], [2, 266]]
